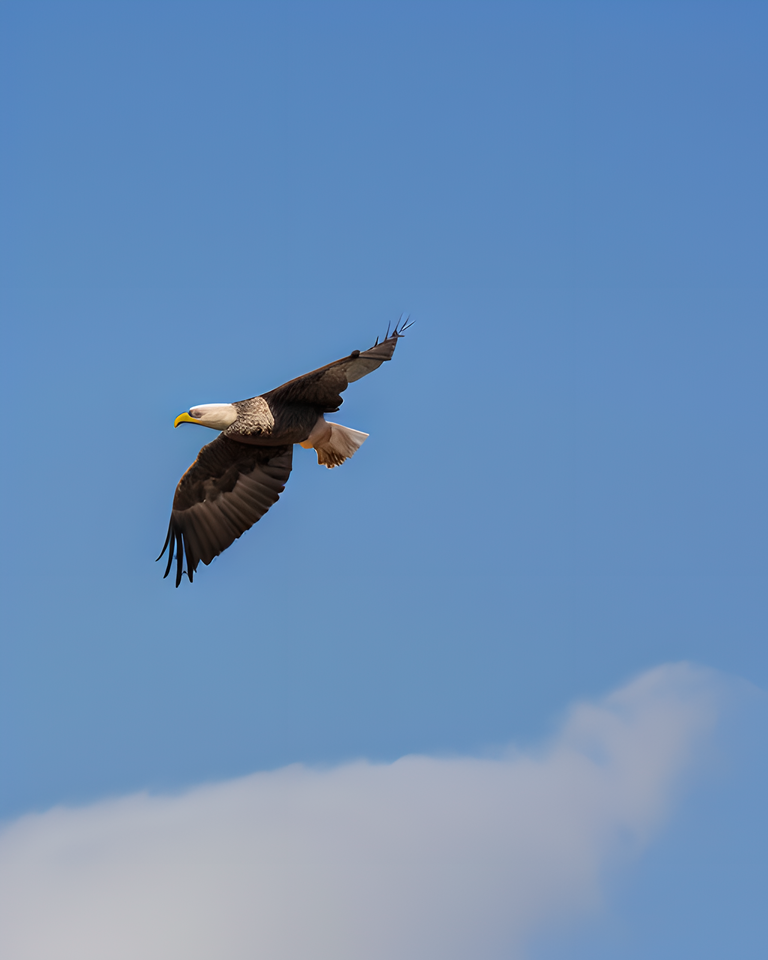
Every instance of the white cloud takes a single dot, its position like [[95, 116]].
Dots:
[[423, 858]]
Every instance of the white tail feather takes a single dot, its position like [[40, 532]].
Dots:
[[337, 447]]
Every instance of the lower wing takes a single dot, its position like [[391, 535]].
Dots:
[[227, 489]]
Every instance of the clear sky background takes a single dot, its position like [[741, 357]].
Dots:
[[565, 483]]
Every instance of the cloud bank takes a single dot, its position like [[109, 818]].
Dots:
[[418, 859]]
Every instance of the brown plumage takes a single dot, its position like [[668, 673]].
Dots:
[[241, 474]]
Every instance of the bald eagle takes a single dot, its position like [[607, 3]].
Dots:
[[241, 474]]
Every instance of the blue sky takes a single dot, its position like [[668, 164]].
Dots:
[[564, 486]]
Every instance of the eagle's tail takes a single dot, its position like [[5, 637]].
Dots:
[[339, 445]]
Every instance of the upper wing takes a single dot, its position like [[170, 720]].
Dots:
[[322, 387], [227, 489]]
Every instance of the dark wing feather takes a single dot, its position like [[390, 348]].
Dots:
[[227, 489], [322, 387]]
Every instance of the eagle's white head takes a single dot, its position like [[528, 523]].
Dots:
[[217, 416]]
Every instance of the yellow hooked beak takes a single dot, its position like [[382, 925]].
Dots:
[[184, 418]]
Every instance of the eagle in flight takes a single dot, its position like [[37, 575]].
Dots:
[[236, 478]]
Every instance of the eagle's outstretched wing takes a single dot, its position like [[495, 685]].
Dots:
[[322, 387], [227, 489]]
